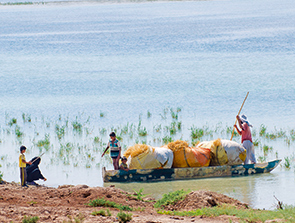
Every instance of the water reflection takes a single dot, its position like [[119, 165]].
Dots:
[[257, 190]]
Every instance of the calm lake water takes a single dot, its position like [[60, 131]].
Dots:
[[106, 65]]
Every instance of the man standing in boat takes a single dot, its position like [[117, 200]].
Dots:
[[246, 137], [115, 146]]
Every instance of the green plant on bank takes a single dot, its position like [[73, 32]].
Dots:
[[30, 219], [245, 215], [78, 219], [139, 195], [124, 217], [102, 212], [171, 198], [105, 203]]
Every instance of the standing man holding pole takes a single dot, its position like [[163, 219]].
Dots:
[[245, 132]]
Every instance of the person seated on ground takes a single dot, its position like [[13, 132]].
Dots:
[[123, 165], [33, 171]]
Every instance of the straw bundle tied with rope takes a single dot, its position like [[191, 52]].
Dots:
[[185, 156], [141, 156]]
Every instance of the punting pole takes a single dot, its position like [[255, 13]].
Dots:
[[239, 114]]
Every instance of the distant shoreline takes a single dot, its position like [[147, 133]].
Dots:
[[92, 1]]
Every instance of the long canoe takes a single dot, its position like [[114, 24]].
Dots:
[[152, 175]]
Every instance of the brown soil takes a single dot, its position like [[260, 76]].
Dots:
[[65, 203]]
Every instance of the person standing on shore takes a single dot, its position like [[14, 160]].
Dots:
[[115, 146], [245, 132], [22, 165]]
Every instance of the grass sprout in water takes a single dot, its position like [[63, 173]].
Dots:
[[65, 147]]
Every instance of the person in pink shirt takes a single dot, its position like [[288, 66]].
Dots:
[[246, 137]]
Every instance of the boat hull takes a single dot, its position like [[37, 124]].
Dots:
[[153, 175]]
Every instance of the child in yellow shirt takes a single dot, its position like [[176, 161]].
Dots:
[[124, 165], [22, 165]]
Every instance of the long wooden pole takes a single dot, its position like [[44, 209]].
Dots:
[[37, 157], [239, 114]]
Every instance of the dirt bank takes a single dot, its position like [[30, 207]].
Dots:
[[67, 202]]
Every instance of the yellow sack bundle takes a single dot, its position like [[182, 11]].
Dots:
[[217, 152], [142, 156], [236, 153], [185, 156]]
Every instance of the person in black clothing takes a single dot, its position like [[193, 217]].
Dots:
[[33, 171]]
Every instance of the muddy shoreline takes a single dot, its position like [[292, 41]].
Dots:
[[67, 203]]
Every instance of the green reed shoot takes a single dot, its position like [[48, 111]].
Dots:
[[167, 139], [141, 130], [12, 122], [18, 132], [60, 131], [26, 118], [77, 126], [262, 130], [157, 128], [287, 163], [96, 139], [149, 114], [256, 142], [44, 142], [266, 149], [174, 115], [261, 159], [197, 133], [103, 131]]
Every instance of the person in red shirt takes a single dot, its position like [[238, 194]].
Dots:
[[245, 132]]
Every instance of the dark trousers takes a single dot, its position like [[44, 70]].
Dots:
[[23, 176]]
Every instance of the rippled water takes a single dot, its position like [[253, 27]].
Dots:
[[125, 59]]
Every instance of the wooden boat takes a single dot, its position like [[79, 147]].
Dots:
[[152, 175]]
